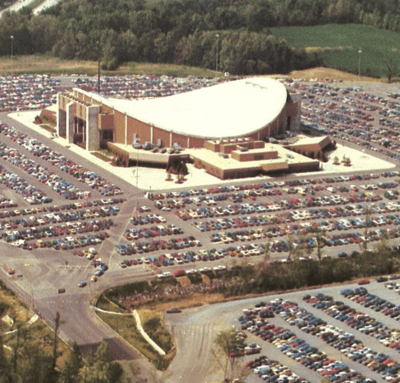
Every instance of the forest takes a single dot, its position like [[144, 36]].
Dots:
[[27, 362], [227, 35]]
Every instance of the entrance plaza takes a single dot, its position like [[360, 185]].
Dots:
[[155, 179]]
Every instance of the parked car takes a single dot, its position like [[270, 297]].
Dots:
[[174, 310], [382, 279]]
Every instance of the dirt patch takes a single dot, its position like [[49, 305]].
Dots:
[[321, 73], [195, 300], [320, 49], [184, 281]]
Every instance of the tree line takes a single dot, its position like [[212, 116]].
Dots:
[[229, 35], [24, 358]]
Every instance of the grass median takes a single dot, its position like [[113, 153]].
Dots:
[[125, 326]]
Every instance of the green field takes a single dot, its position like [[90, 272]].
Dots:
[[46, 64], [338, 45]]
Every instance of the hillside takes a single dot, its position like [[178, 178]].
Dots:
[[321, 73]]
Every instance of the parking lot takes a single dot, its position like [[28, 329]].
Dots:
[[56, 206], [346, 333]]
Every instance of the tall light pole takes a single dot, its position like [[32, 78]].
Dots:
[[217, 54], [98, 66], [359, 62], [12, 52]]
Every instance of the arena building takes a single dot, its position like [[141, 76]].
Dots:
[[222, 129], [252, 107]]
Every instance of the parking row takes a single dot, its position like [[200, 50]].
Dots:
[[271, 370], [152, 231], [300, 209], [291, 345], [293, 228], [87, 205], [144, 86], [311, 236], [151, 245], [25, 218], [33, 237], [356, 319], [21, 92], [17, 184], [66, 189], [36, 148], [257, 189], [146, 219], [67, 243], [6, 203]]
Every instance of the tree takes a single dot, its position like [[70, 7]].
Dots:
[[346, 160], [55, 341], [308, 248], [100, 369], [368, 223], [383, 262], [293, 248], [5, 368], [320, 242], [47, 30], [73, 363], [228, 354], [391, 69], [267, 249]]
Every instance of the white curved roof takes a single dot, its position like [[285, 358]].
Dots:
[[231, 109]]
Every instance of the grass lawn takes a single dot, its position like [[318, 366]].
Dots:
[[152, 322], [44, 64], [338, 45]]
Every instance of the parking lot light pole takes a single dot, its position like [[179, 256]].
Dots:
[[12, 53], [217, 54], [98, 66], [359, 62]]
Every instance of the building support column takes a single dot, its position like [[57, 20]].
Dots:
[[126, 130], [70, 123], [61, 119], [92, 132]]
